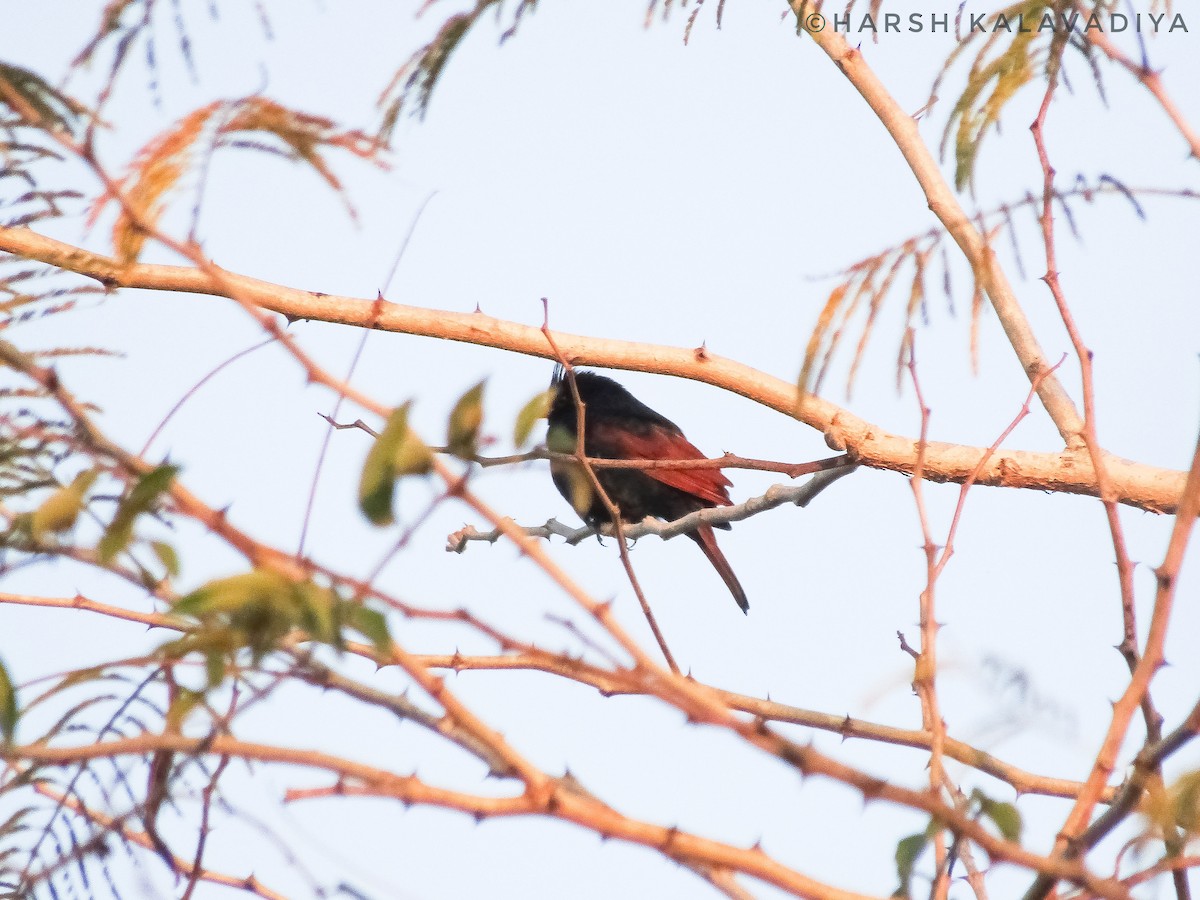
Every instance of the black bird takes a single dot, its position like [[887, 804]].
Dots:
[[619, 426]]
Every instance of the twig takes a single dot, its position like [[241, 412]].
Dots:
[[1150, 662], [250, 883], [1151, 80], [926, 667], [614, 513], [1128, 645], [775, 496]]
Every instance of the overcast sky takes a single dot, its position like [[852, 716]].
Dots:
[[675, 195]]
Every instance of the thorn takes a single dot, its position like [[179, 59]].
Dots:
[[874, 787], [379, 296], [845, 729], [701, 352], [478, 311]]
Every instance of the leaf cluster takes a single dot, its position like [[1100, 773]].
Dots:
[[255, 610], [248, 123], [411, 88], [1009, 53]]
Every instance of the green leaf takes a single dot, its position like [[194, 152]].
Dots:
[[320, 613], [1005, 817], [397, 452], [43, 106], [1185, 803], [232, 595], [8, 706], [462, 434], [372, 625], [908, 851], [62, 508], [167, 556], [378, 481], [120, 530], [185, 701], [537, 408], [214, 667], [413, 456]]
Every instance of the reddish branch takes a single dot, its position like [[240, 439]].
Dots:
[[926, 668], [609, 683], [562, 798], [1151, 80], [1151, 661], [1108, 497]]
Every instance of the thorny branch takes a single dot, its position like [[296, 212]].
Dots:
[[1138, 485], [609, 682], [775, 496]]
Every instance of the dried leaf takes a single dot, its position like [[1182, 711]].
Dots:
[[162, 163]]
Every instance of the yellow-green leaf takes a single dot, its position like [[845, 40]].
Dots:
[[62, 508], [167, 556], [185, 701], [413, 456], [372, 625], [908, 851], [1185, 802], [320, 613], [120, 530], [462, 434], [214, 667], [378, 481], [235, 593], [8, 706], [537, 408], [397, 452], [1005, 817]]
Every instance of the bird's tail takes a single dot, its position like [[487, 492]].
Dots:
[[708, 543]]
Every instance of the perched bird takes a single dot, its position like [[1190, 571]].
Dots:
[[616, 425]]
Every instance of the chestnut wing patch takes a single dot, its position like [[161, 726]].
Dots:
[[657, 442]]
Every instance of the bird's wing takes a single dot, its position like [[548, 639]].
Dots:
[[657, 442]]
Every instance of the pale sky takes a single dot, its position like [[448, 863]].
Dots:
[[665, 194]]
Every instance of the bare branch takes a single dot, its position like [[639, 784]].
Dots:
[[1138, 485]]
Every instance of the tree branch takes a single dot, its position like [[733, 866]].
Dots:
[[944, 204], [1145, 487]]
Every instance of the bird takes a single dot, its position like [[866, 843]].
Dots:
[[616, 425]]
